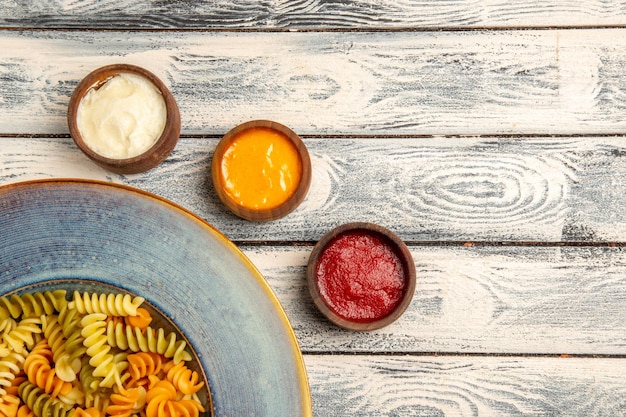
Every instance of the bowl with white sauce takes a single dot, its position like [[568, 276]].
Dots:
[[124, 118]]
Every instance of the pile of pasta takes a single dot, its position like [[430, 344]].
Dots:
[[92, 355]]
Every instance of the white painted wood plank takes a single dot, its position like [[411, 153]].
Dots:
[[431, 83], [430, 189], [316, 14], [347, 386], [482, 299]]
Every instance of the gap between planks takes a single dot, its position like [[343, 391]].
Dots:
[[366, 136], [405, 29], [449, 243], [464, 354]]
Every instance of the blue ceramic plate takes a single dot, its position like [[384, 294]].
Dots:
[[73, 229]]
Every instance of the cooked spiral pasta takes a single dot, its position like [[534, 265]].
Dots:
[[23, 335], [9, 405], [75, 397], [10, 367], [149, 340], [142, 319], [183, 378], [69, 319], [93, 356], [93, 330], [142, 364], [88, 381], [32, 305], [6, 326], [109, 304], [13, 388], [40, 372], [98, 400], [126, 402], [41, 403], [89, 412], [24, 411], [161, 400], [65, 367], [10, 401]]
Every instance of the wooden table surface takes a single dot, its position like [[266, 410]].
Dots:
[[488, 135]]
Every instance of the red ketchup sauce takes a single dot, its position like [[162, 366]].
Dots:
[[360, 276]]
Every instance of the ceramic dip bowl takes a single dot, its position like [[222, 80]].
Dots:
[[361, 276], [124, 118], [261, 170]]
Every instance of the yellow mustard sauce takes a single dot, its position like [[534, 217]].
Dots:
[[261, 168]]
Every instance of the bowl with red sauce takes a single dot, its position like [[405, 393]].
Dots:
[[361, 276]]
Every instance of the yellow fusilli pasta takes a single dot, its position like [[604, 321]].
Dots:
[[22, 337], [109, 304], [93, 330], [10, 366], [32, 305]]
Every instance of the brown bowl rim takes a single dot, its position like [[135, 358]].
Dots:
[[288, 205], [161, 149], [401, 249]]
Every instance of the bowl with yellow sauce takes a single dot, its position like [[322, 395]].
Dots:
[[261, 170], [124, 118]]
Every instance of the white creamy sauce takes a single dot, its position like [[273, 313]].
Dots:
[[123, 118]]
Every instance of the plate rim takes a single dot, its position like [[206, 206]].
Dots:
[[301, 372]]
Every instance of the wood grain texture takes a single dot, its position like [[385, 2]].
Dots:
[[446, 121], [430, 189], [309, 14], [395, 83], [344, 386], [485, 299]]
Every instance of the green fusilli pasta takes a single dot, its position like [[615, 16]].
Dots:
[[69, 319], [149, 340], [41, 403]]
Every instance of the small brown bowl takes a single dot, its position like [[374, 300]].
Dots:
[[243, 202], [146, 160], [361, 276]]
